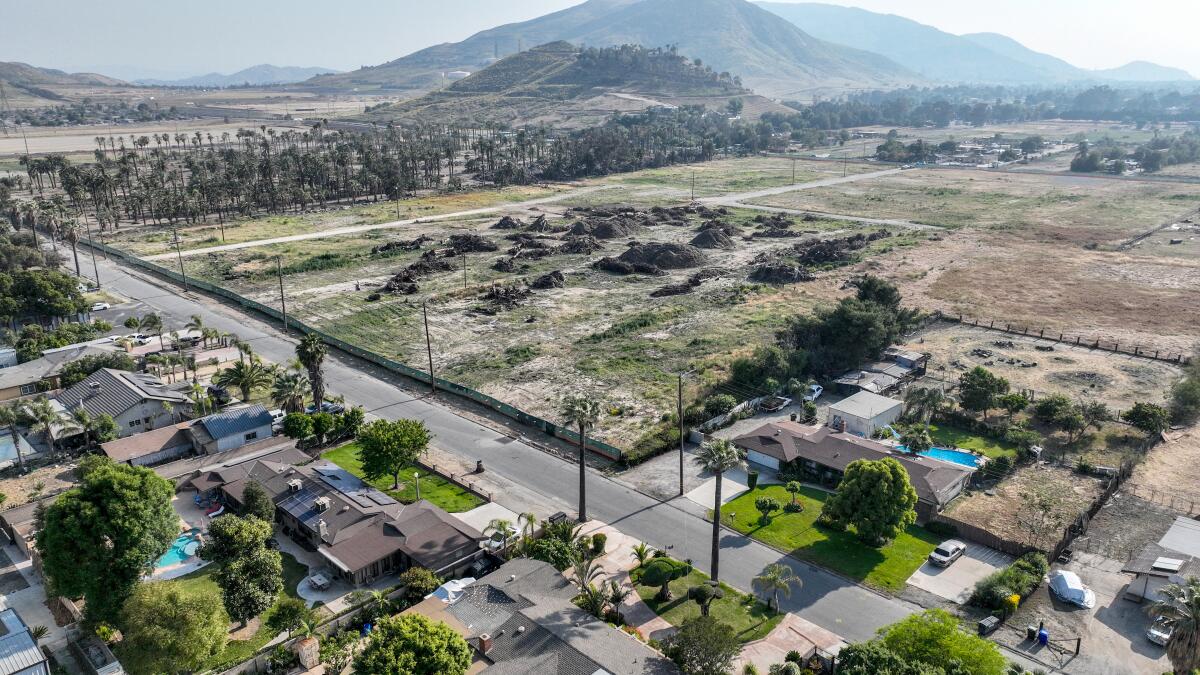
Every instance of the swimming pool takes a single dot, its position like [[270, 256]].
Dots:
[[955, 456], [182, 549]]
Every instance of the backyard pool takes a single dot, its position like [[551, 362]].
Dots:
[[8, 451], [182, 549], [955, 456]]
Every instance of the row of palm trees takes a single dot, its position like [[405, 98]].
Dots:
[[42, 417]]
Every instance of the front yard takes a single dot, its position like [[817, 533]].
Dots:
[[434, 488], [750, 619], [885, 568]]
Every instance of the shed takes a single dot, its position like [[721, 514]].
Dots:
[[863, 413]]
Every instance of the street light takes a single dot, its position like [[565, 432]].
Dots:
[[417, 482]]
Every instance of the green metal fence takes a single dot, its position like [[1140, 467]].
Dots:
[[600, 447]]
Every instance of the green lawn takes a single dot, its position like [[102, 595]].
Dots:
[[886, 568], [434, 488], [749, 618], [955, 437], [201, 582]]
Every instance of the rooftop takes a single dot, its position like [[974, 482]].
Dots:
[[238, 421], [49, 365], [19, 652], [865, 405], [112, 392]]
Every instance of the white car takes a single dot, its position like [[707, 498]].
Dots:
[[947, 552], [1160, 631], [1068, 587], [101, 306], [138, 339], [814, 392]]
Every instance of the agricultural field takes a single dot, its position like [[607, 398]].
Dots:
[[82, 139], [735, 175]]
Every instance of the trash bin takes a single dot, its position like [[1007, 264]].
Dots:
[[988, 624], [1031, 632], [1043, 637]]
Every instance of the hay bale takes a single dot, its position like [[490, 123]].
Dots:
[[554, 279], [664, 256], [712, 238]]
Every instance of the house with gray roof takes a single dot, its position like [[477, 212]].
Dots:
[[520, 621], [19, 653], [230, 429], [41, 375], [361, 532], [136, 401], [823, 454]]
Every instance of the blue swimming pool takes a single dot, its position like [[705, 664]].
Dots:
[[955, 456], [182, 549]]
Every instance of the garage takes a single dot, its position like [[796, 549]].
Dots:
[[756, 457]]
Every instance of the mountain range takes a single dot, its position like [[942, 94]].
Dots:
[[262, 74], [25, 85], [944, 57], [769, 54]]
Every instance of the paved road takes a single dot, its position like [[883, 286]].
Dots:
[[530, 476]]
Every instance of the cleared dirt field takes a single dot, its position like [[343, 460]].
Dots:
[[1002, 513], [1065, 209], [1165, 476], [43, 140], [1078, 372], [737, 175]]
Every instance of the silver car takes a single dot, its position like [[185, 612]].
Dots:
[[947, 552], [1160, 631]]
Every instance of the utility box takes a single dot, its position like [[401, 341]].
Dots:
[[988, 624]]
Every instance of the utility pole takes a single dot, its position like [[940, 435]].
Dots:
[[429, 347], [679, 412], [845, 161], [179, 254], [282, 297], [793, 171], [693, 185], [92, 247], [464, 270]]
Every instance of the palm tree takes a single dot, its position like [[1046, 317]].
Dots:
[[1180, 603], [924, 402], [641, 552], [776, 578], [616, 597], [152, 324], [584, 570], [201, 401], [39, 633], [718, 456], [245, 375], [87, 423], [311, 351], [196, 324], [916, 439], [290, 390], [10, 415], [581, 412], [47, 420], [528, 521], [502, 526]]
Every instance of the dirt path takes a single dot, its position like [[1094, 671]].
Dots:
[[381, 226], [737, 198]]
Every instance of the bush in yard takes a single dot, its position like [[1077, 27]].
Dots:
[[766, 506], [1049, 409], [751, 479], [554, 551], [1185, 396], [703, 646], [941, 529], [599, 541], [718, 404], [1148, 418], [661, 572], [414, 645], [168, 629], [131, 322], [418, 582], [298, 426], [934, 638], [875, 497], [1020, 578], [1000, 466], [810, 411]]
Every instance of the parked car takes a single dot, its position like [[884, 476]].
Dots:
[[1068, 587], [327, 406], [100, 306], [138, 339], [484, 566], [947, 552], [1160, 631], [814, 392]]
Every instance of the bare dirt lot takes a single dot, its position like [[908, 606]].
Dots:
[[1159, 478], [45, 140]]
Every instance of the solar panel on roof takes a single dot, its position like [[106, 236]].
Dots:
[[381, 498]]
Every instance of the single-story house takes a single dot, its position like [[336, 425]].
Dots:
[[41, 375], [863, 413], [823, 454], [136, 401], [1156, 566], [151, 447], [520, 621], [230, 429], [19, 652], [360, 531], [20, 524], [205, 473], [1182, 536]]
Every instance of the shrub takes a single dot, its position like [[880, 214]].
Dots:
[[662, 438], [1051, 408], [599, 541], [1084, 467], [941, 529], [810, 411], [752, 479], [420, 582], [718, 404], [1000, 466], [766, 506], [1020, 578], [131, 322]]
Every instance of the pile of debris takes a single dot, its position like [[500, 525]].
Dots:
[[528, 247], [428, 265], [663, 256], [401, 245], [507, 265], [774, 270], [688, 285], [609, 264], [508, 223], [502, 297], [612, 228], [826, 251], [713, 237], [581, 245], [471, 243], [554, 279]]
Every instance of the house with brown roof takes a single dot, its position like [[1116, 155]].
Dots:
[[822, 454], [360, 531]]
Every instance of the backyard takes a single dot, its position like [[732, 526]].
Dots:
[[945, 436], [886, 568], [434, 488], [749, 618]]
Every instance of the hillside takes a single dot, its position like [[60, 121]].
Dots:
[[570, 86], [1051, 67], [927, 51], [262, 74], [1144, 71], [769, 54], [26, 86]]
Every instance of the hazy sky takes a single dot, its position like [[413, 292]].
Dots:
[[170, 38]]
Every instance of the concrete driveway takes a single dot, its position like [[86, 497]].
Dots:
[[735, 483], [956, 582]]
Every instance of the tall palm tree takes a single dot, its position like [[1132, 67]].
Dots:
[[583, 413], [311, 351], [528, 521], [47, 420], [718, 456], [196, 324], [245, 375], [501, 526], [201, 401], [10, 415], [152, 324], [1181, 604], [776, 578], [916, 439], [87, 423], [290, 390]]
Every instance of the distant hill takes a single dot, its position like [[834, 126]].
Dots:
[[26, 85], [931, 53], [262, 74], [769, 54], [573, 86], [1051, 67], [1144, 71]]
